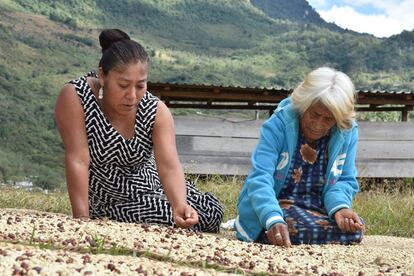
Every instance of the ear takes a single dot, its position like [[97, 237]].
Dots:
[[101, 76]]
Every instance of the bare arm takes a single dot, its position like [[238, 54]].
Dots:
[[169, 168], [70, 120]]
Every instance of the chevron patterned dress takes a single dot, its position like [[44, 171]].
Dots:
[[123, 181]]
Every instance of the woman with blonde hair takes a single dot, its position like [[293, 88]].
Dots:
[[303, 176]]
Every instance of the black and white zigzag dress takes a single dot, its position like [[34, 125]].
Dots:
[[123, 181]]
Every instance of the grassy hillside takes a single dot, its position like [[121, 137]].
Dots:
[[43, 44], [294, 10], [37, 57], [234, 42]]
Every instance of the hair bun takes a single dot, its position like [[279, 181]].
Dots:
[[109, 36]]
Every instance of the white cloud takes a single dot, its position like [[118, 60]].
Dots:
[[358, 3], [403, 12], [396, 17], [317, 3], [393, 8]]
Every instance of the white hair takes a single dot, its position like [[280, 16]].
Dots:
[[331, 88]]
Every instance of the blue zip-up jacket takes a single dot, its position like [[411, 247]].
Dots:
[[258, 207]]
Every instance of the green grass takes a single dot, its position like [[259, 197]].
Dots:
[[387, 206], [55, 202], [225, 188], [390, 214]]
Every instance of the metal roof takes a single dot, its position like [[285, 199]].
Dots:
[[267, 89]]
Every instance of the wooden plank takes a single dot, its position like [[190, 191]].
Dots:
[[219, 146], [197, 145], [223, 146], [395, 131], [231, 165], [217, 127], [222, 96], [215, 105], [385, 168], [386, 150], [396, 99], [402, 109]]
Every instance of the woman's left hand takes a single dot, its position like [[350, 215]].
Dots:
[[349, 221], [185, 216]]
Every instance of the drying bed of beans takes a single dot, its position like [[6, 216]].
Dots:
[[28, 260], [183, 251]]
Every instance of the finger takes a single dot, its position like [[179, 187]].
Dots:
[[188, 224], [350, 222], [279, 239], [340, 222], [184, 223], [271, 238], [285, 236], [179, 221], [358, 222], [191, 220], [271, 235], [353, 226], [346, 224], [360, 226], [357, 219], [194, 215], [363, 228], [188, 211]]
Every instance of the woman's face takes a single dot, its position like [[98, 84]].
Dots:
[[316, 122], [124, 88]]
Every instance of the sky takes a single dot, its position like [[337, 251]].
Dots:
[[381, 18]]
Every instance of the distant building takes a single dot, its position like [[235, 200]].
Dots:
[[25, 184]]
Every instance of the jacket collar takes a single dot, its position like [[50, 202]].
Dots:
[[291, 120]]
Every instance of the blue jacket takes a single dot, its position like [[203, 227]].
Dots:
[[258, 207]]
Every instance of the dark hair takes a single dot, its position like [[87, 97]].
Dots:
[[118, 50]]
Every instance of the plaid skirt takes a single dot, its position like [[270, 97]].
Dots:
[[312, 227]]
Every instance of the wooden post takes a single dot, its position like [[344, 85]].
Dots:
[[404, 115]]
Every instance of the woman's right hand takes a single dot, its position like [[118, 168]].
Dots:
[[278, 234], [185, 216]]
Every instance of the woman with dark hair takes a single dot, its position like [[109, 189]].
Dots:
[[120, 154]]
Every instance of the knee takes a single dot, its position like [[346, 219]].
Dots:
[[211, 216]]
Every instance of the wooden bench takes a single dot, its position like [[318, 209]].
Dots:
[[223, 146]]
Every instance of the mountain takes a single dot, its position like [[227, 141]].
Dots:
[[404, 40], [43, 44], [294, 10]]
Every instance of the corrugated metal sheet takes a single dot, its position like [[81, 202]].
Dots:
[[385, 92], [258, 89]]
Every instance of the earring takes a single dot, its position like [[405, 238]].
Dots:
[[100, 94]]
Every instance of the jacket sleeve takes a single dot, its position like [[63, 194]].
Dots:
[[341, 194], [260, 182]]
